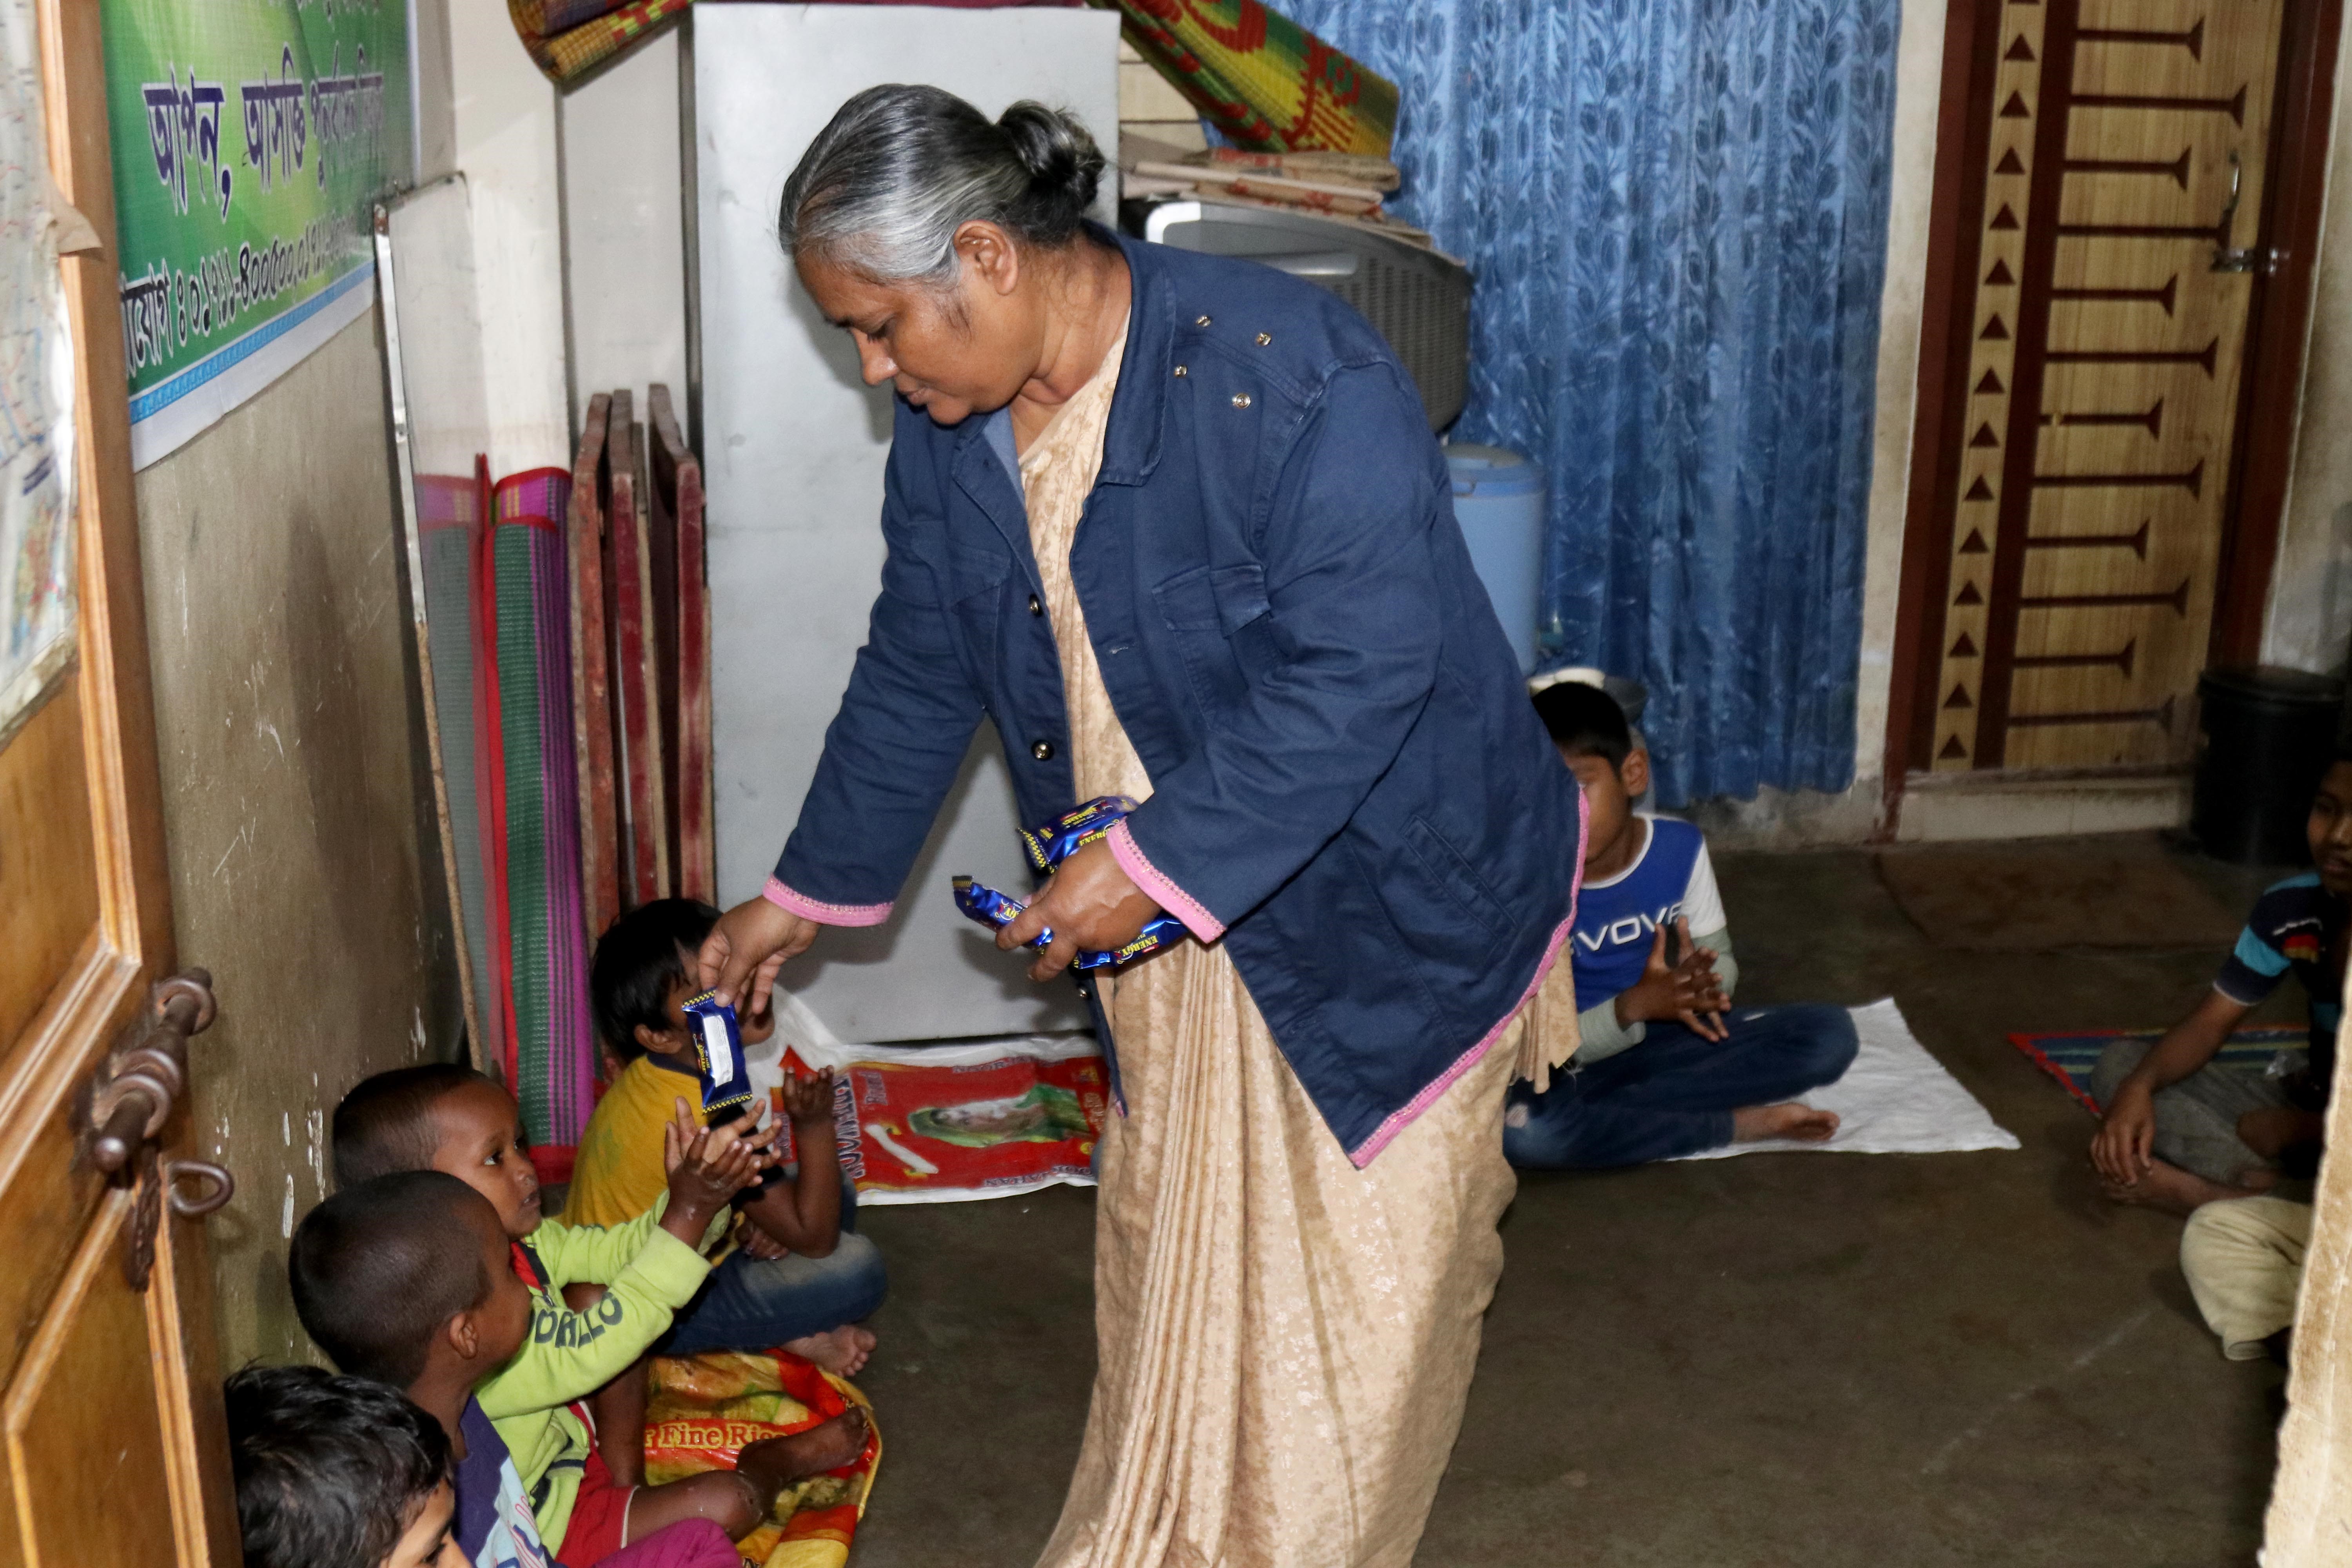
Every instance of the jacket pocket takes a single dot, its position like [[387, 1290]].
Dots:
[[1451, 873], [1240, 596], [1195, 605], [972, 571]]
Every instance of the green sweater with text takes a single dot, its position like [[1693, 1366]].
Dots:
[[648, 1275]]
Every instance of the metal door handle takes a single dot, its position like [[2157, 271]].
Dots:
[[223, 1188], [126, 1104], [2226, 258], [133, 1090]]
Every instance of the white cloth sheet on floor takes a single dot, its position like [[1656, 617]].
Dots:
[[1895, 1099]]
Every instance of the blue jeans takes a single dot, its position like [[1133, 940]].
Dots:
[[755, 1304], [1674, 1093]]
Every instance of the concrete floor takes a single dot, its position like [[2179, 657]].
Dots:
[[1792, 1359]]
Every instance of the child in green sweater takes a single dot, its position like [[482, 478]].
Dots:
[[454, 1119]]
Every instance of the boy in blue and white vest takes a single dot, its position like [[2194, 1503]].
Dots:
[[1666, 1067]]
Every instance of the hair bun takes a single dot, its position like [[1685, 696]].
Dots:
[[1063, 164]]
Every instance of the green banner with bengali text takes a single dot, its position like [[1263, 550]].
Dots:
[[250, 140]]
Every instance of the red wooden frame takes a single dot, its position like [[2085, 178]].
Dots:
[[591, 693]]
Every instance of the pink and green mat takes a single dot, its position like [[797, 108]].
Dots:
[[2071, 1059]]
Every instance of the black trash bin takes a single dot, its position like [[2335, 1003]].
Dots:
[[2269, 733]]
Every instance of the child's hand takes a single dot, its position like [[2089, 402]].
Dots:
[[2122, 1149], [756, 1023], [808, 1101], [1689, 990], [712, 1168], [681, 1130]]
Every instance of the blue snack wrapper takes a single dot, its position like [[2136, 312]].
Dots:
[[1055, 842], [718, 1057], [995, 911], [1047, 847]]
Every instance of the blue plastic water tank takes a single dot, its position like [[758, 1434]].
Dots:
[[1499, 498]]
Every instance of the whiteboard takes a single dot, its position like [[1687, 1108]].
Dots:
[[794, 446]]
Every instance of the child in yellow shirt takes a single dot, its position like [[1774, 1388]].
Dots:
[[801, 1277]]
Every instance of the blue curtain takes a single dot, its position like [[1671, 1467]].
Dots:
[[1677, 210]]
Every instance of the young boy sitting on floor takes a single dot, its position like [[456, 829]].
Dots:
[[802, 1277], [2178, 1132], [1665, 1067], [407, 1280], [337, 1472], [453, 1119]]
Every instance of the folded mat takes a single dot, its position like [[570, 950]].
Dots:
[[1895, 1099], [704, 1408], [2031, 897], [2071, 1059]]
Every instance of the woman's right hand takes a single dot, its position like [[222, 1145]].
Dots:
[[2122, 1150], [752, 940]]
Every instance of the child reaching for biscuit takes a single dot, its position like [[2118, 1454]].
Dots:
[[370, 1260]]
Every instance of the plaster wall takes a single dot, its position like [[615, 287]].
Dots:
[[504, 138], [1918, 91], [2310, 614], [304, 869], [624, 228]]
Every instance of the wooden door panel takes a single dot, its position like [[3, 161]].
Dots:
[[48, 860], [2104, 380], [84, 1423], [110, 1406], [47, 1199]]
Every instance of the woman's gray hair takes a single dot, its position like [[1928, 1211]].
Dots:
[[885, 185]]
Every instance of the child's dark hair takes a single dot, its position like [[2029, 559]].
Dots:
[[386, 1124], [379, 1268], [646, 952], [1585, 721], [330, 1470]]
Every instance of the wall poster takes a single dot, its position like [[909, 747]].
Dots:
[[36, 395], [250, 138]]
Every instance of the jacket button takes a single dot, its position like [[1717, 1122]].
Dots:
[[1241, 400], [1180, 370], [1041, 750], [1035, 607], [1200, 321]]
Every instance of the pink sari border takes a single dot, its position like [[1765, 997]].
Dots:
[[1364, 1153], [817, 909], [1168, 896]]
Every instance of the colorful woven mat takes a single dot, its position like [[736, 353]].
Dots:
[[449, 519], [704, 1408], [569, 38], [2071, 1059], [1265, 81], [551, 1057]]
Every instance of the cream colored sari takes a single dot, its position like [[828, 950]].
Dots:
[[1286, 1341]]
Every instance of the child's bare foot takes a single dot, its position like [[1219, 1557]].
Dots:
[[2176, 1191], [774, 1463], [841, 1351], [1801, 1123]]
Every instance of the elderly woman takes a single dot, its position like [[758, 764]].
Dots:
[[1178, 525]]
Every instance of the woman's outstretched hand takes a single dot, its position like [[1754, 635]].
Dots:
[[741, 956], [1090, 902]]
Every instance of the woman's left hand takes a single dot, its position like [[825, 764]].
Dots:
[[1090, 902]]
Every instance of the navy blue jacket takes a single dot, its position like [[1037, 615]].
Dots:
[[1349, 787]]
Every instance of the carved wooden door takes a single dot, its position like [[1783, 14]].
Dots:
[[109, 1402], [2118, 264]]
